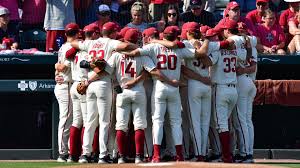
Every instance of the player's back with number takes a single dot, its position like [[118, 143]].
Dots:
[[224, 72], [128, 68], [168, 61]]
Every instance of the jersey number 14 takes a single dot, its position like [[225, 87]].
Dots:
[[129, 69]]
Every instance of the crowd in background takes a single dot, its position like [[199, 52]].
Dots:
[[274, 22]]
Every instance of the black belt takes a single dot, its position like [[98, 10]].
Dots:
[[231, 85]]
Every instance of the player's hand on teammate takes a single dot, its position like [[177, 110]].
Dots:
[[174, 83], [59, 79], [206, 80], [240, 71], [129, 84]]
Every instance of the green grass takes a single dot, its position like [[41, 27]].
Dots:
[[32, 164], [291, 165]]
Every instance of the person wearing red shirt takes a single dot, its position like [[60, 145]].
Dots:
[[286, 15], [255, 16], [232, 12], [294, 30], [270, 35]]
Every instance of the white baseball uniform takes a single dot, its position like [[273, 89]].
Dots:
[[78, 100], [79, 104], [199, 99], [223, 76], [98, 96], [166, 97], [133, 99], [242, 117], [62, 93]]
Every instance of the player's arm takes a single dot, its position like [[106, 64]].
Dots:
[[133, 53], [125, 47], [248, 46], [203, 50], [160, 76], [193, 75], [60, 67], [71, 53], [169, 44], [133, 82]]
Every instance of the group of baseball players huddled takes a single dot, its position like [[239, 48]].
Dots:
[[184, 93]]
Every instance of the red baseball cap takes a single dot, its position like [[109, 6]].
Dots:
[[111, 26], [229, 24], [71, 27], [203, 29], [193, 26], [91, 28], [211, 32], [232, 5], [184, 30], [149, 32], [174, 30], [264, 1], [123, 31], [132, 35]]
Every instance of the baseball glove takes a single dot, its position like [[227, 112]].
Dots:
[[81, 88], [98, 65]]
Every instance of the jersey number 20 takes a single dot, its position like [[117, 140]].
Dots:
[[166, 62], [229, 64]]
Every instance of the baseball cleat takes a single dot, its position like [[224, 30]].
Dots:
[[105, 160], [121, 160], [62, 158], [71, 159], [84, 159], [138, 159]]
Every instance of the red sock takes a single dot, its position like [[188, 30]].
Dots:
[[139, 142], [96, 141], [121, 142], [156, 151], [179, 153], [75, 145], [225, 143]]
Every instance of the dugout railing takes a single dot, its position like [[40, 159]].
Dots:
[[29, 111]]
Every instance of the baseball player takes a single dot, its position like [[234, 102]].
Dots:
[[78, 100], [133, 96], [62, 93], [99, 93], [166, 97], [223, 76], [199, 96], [242, 117]]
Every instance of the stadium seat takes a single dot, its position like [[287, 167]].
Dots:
[[34, 38]]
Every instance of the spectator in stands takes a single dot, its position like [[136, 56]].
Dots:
[[232, 12], [294, 45], [138, 17], [157, 8], [85, 11], [287, 14], [198, 14], [4, 20], [255, 16], [270, 35], [33, 14], [277, 6], [246, 5], [210, 6], [171, 18], [58, 14], [120, 11], [13, 26], [103, 14]]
